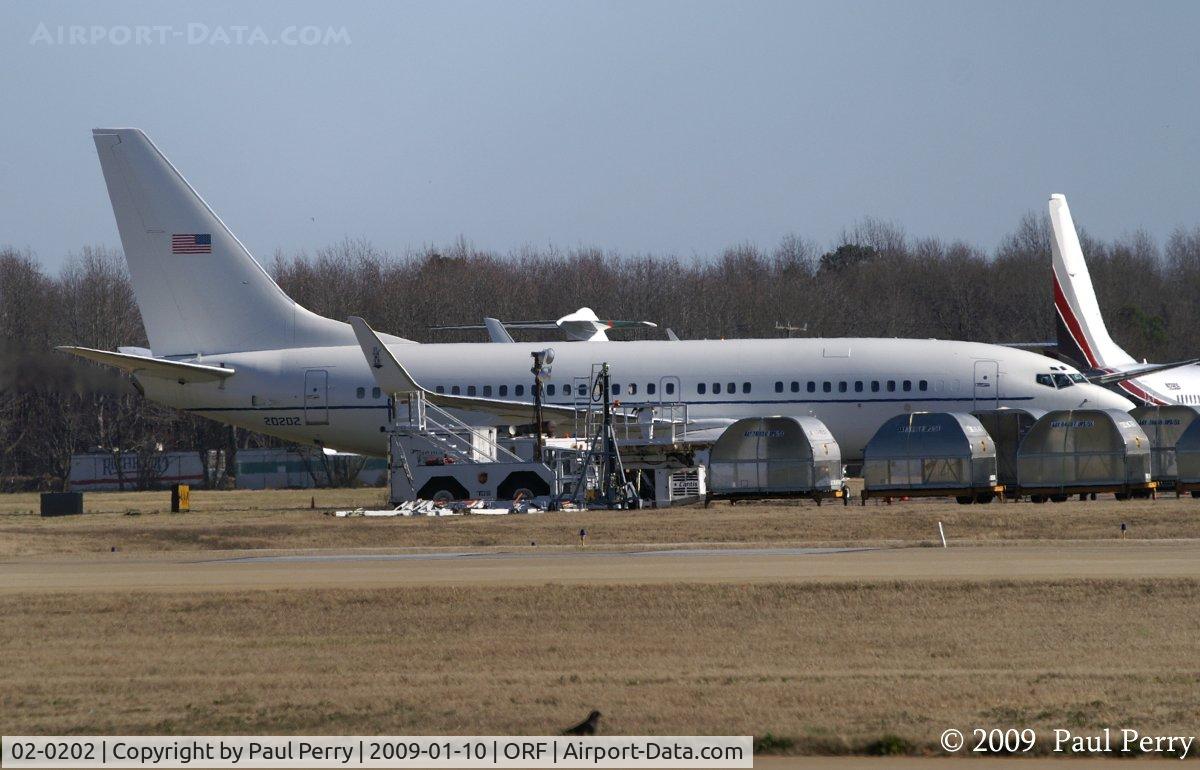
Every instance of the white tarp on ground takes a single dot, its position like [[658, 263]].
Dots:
[[1084, 447], [930, 450], [433, 508]]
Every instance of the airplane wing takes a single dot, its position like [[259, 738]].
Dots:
[[507, 324], [393, 377], [1141, 370], [1030, 345], [582, 325], [153, 367]]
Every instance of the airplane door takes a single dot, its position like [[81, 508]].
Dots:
[[987, 385], [316, 397]]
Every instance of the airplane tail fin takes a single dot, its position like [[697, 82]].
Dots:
[[1082, 335], [198, 288]]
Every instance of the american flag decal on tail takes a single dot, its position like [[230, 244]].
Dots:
[[191, 243]]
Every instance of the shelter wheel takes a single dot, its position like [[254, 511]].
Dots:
[[1196, 493], [965, 499], [1058, 498], [983, 498]]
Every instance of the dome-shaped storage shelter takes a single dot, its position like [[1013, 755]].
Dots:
[[1007, 427], [775, 457], [1163, 425], [1187, 460], [931, 454], [1084, 450]]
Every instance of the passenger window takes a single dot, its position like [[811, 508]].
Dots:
[[616, 389], [779, 387], [520, 390], [716, 388], [441, 388], [907, 385], [923, 385], [731, 388], [454, 390], [858, 386], [471, 390], [891, 386], [827, 386], [1045, 379], [503, 390], [745, 387], [633, 388], [701, 388], [795, 387], [487, 390], [842, 387], [650, 388], [670, 388], [376, 393], [361, 393], [812, 386], [550, 389], [874, 386]]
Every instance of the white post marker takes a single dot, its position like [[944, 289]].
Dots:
[[942, 532]]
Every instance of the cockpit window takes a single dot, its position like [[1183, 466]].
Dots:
[[1077, 377], [1062, 381], [1046, 379]]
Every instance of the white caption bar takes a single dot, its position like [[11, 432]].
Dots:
[[436, 751]]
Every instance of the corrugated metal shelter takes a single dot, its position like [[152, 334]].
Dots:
[[1187, 460], [1007, 427], [775, 457], [931, 454], [1084, 450], [1163, 425]]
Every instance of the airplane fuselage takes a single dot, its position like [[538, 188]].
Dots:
[[328, 395]]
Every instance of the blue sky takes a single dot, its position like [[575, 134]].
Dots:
[[667, 128]]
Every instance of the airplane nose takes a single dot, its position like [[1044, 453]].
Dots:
[[1102, 398]]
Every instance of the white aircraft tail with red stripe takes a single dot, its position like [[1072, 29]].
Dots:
[[1082, 334]]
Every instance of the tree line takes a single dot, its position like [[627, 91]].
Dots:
[[876, 281]]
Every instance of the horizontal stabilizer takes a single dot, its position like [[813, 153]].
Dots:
[[150, 366], [1132, 372]]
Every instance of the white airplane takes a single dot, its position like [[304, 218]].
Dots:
[[1083, 338], [581, 326], [227, 343]]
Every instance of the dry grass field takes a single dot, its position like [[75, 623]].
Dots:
[[284, 519], [829, 663], [832, 668]]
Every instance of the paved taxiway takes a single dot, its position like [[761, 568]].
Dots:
[[222, 571]]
